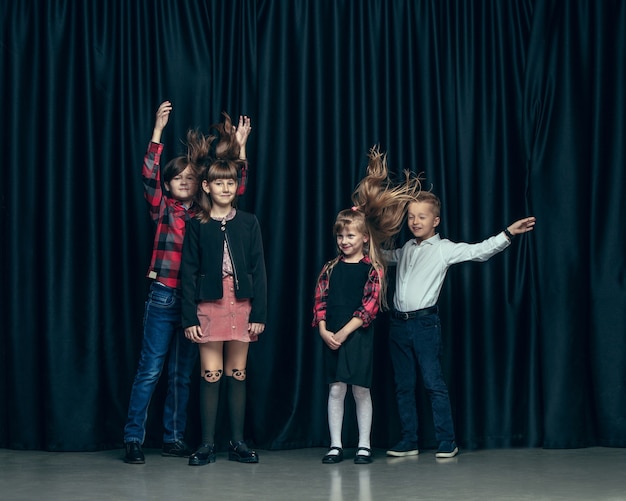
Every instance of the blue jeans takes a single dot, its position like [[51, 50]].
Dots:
[[162, 334], [417, 342]]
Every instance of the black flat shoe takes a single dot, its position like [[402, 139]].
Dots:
[[134, 454], [177, 449], [333, 458], [239, 452], [204, 455], [363, 458]]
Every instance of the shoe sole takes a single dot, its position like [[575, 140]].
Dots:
[[444, 455], [401, 454], [135, 461], [202, 462], [243, 460]]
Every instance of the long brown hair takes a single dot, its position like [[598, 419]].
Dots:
[[379, 211], [220, 158]]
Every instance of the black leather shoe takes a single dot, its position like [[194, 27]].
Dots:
[[177, 449], [364, 457], [204, 455], [134, 454], [239, 452], [333, 458]]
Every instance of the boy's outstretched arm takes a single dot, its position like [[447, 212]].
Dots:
[[522, 225], [162, 117]]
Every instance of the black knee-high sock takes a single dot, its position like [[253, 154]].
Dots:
[[209, 399], [236, 406]]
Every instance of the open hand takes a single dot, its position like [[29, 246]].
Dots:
[[243, 129], [522, 225]]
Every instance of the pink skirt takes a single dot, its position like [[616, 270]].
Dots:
[[225, 319]]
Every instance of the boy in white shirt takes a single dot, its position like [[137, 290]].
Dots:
[[415, 335]]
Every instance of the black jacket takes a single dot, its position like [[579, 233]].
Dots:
[[201, 266]]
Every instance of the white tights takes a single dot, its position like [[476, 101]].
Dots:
[[363, 401]]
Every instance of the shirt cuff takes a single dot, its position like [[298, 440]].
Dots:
[[155, 147]]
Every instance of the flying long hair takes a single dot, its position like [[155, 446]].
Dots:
[[219, 155], [197, 156], [379, 211]]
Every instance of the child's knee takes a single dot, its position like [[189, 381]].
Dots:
[[337, 390], [239, 374], [360, 392], [212, 376]]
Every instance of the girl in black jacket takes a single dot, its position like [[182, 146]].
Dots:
[[224, 302]]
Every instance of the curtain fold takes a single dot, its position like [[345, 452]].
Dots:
[[507, 108]]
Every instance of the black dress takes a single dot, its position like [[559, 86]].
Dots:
[[352, 362]]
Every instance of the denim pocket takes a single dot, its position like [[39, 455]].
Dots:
[[429, 322], [161, 297]]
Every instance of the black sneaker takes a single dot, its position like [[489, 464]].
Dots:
[[403, 448], [447, 450], [134, 454], [177, 449]]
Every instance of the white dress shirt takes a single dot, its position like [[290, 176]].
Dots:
[[422, 267]]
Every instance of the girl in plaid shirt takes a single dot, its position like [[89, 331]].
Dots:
[[349, 293]]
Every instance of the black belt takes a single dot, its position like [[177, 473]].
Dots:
[[406, 315]]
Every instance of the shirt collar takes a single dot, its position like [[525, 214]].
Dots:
[[430, 241], [178, 203]]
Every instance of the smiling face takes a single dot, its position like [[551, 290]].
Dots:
[[183, 186], [351, 242], [422, 220], [221, 191]]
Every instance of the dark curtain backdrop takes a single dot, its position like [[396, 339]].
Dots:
[[508, 108]]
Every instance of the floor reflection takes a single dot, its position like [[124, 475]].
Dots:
[[364, 488]]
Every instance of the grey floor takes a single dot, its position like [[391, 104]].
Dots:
[[299, 475]]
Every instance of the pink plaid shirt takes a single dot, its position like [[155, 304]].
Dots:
[[369, 304], [170, 217]]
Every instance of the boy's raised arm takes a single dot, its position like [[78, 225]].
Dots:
[[162, 117]]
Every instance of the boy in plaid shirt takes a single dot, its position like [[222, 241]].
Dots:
[[162, 316]]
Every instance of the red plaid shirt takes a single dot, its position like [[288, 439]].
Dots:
[[369, 304], [170, 217]]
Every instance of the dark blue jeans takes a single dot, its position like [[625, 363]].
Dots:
[[162, 334], [412, 343]]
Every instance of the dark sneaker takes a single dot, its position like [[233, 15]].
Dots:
[[403, 448], [204, 455], [134, 454], [239, 452], [177, 449], [447, 450]]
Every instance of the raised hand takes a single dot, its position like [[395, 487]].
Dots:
[[162, 117], [243, 129]]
